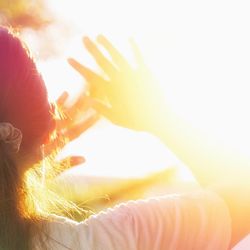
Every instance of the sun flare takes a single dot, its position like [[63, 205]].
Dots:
[[201, 66]]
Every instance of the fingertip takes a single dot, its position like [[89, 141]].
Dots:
[[70, 60], [65, 94], [100, 38], [73, 63], [77, 160], [86, 40]]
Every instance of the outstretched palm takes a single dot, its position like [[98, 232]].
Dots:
[[71, 122], [129, 96]]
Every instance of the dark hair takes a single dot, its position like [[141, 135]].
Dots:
[[24, 104]]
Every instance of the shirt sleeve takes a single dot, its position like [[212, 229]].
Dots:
[[196, 221]]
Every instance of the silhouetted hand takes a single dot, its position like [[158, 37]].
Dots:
[[71, 121], [129, 96]]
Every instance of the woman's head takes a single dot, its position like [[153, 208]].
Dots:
[[23, 95], [26, 114]]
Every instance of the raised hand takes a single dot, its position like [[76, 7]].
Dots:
[[71, 121], [127, 96]]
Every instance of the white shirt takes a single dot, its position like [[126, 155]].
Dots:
[[244, 244], [193, 221]]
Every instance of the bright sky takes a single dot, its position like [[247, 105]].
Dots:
[[199, 50]]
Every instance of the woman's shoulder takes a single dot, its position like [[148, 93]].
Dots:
[[194, 220]]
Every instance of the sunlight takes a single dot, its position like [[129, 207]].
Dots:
[[201, 65]]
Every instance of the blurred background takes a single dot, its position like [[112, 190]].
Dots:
[[198, 50]]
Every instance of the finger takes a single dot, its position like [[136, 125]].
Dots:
[[87, 73], [96, 85], [137, 52], [101, 60], [62, 99], [116, 56], [55, 145], [72, 161], [65, 164], [82, 104], [95, 82], [81, 127]]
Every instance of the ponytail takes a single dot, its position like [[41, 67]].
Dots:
[[14, 229]]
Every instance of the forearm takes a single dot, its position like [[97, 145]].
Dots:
[[214, 167], [136, 101], [207, 159]]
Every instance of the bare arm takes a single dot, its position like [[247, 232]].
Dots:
[[135, 101], [132, 98]]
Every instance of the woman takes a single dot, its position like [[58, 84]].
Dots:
[[25, 124], [199, 220]]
